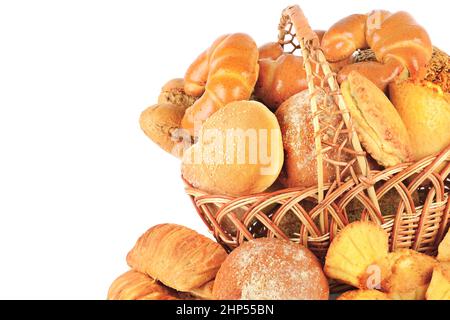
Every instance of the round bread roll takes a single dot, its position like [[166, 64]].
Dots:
[[425, 110], [296, 122], [239, 151], [271, 269]]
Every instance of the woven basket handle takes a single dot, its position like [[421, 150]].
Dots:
[[301, 24]]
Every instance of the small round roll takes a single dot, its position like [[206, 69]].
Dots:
[[271, 269]]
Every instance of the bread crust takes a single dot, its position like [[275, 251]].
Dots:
[[133, 285], [161, 123], [296, 123], [426, 114], [231, 69], [213, 163], [377, 122], [177, 256], [271, 269]]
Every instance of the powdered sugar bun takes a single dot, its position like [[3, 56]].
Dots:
[[271, 269]]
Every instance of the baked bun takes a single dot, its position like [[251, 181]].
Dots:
[[173, 92], [364, 295], [271, 269], [439, 288], [239, 152], [425, 110], [134, 285], [161, 124], [178, 257], [280, 79], [377, 122], [296, 123], [406, 274], [444, 249]]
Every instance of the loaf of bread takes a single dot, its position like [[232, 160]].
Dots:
[[425, 111], [296, 123], [239, 151], [134, 285], [271, 269], [402, 47], [226, 72], [178, 257], [378, 124]]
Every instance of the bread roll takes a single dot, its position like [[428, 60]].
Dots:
[[425, 110], [173, 92], [228, 70], [271, 50], [271, 269], [178, 257], [134, 285], [280, 79], [439, 288], [296, 123], [239, 152], [377, 122], [161, 124], [406, 274]]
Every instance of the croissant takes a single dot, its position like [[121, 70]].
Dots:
[[178, 257], [134, 285], [224, 73], [402, 47]]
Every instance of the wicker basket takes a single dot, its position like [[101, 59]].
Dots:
[[417, 194]]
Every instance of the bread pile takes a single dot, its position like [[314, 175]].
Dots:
[[231, 145], [241, 122], [171, 262]]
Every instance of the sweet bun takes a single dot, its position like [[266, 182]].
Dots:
[[296, 123], [239, 151], [134, 285], [271, 269], [377, 122], [425, 110], [364, 295], [178, 257]]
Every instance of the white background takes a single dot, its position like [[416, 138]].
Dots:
[[79, 182]]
